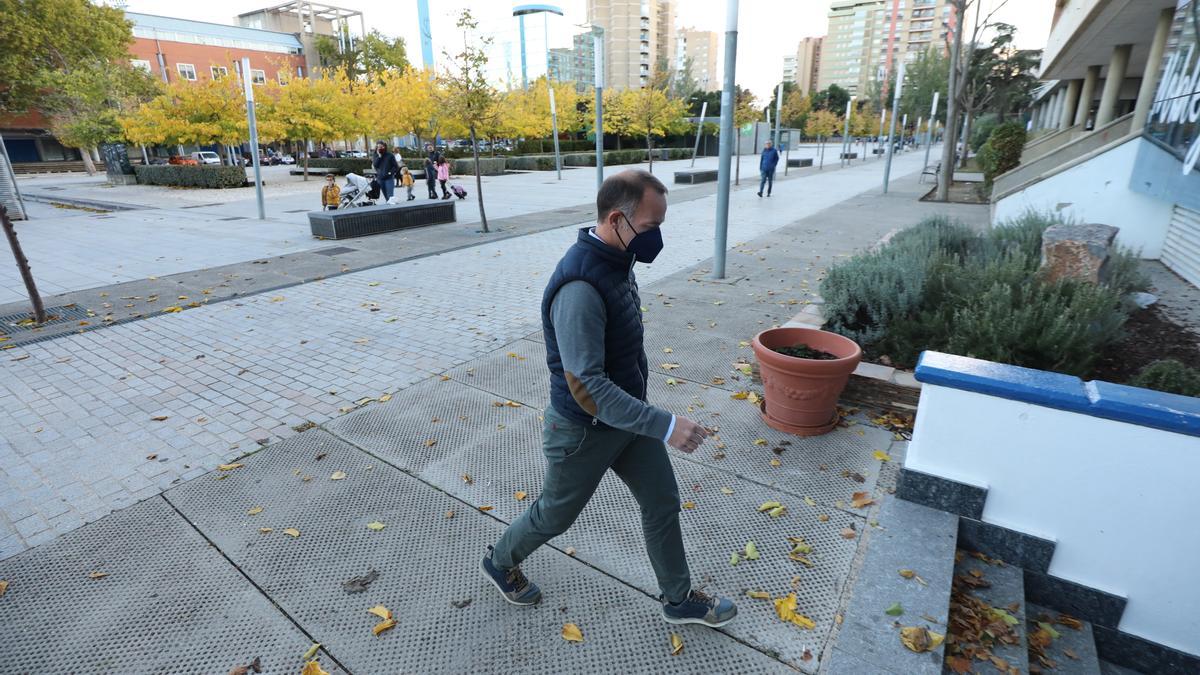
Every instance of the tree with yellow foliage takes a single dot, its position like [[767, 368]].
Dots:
[[200, 113], [823, 124], [648, 113], [402, 103], [309, 109]]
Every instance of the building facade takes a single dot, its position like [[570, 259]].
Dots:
[[637, 37], [1115, 139], [307, 21], [700, 47], [868, 38], [803, 67]]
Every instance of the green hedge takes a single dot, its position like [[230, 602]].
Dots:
[[488, 166], [191, 176], [530, 163], [1171, 376], [1002, 151], [340, 165], [528, 147], [940, 286]]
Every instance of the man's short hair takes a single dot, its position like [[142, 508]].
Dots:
[[624, 191]]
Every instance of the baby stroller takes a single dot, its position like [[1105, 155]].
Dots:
[[458, 190], [358, 192]]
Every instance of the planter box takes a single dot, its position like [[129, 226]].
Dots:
[[698, 176], [367, 220], [877, 151], [799, 163]]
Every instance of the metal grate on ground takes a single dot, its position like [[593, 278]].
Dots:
[[515, 372], [608, 535], [333, 250], [56, 315], [425, 562], [169, 604]]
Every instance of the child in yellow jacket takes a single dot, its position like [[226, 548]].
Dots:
[[406, 180], [331, 194]]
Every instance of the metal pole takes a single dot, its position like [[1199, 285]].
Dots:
[[546, 39], [524, 73], [917, 130], [554, 126], [903, 130], [247, 81], [426, 35], [699, 131], [932, 123], [727, 139], [887, 168], [787, 153], [39, 310], [882, 117], [598, 48], [846, 134], [778, 113]]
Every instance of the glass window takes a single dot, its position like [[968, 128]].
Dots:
[[258, 76], [219, 71], [140, 63], [186, 70]]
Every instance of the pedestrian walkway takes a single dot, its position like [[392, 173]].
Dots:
[[426, 379]]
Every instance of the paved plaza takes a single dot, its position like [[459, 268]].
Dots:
[[422, 381]]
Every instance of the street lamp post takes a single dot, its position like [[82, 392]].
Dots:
[[728, 102], [521, 11], [598, 48], [249, 84], [887, 168]]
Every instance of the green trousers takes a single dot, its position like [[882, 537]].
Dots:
[[577, 457]]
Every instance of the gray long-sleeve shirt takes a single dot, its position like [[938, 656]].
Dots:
[[578, 314]]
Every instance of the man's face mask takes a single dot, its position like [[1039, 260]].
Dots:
[[645, 246]]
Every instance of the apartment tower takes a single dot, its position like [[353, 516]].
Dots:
[[638, 37]]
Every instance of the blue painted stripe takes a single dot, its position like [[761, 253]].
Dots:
[[1144, 407]]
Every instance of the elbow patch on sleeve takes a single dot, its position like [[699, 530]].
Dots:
[[580, 394]]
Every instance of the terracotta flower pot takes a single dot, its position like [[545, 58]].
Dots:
[[801, 395]]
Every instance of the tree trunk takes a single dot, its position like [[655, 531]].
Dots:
[[966, 141], [650, 152], [478, 180], [950, 136], [306, 154], [39, 311], [88, 164]]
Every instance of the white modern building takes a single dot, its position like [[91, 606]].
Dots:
[[1114, 130]]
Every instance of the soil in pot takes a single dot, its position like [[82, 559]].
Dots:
[[803, 351]]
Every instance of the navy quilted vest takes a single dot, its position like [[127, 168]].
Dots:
[[610, 272]]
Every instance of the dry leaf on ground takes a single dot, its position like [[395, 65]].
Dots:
[[785, 608], [676, 644], [337, 475], [520, 495], [920, 639], [375, 525], [3, 587], [229, 467], [571, 633], [266, 530], [882, 456], [726, 491], [381, 612], [486, 508], [688, 505], [751, 551], [313, 668], [907, 574], [849, 533], [291, 532], [386, 624], [97, 575], [767, 506], [861, 499]]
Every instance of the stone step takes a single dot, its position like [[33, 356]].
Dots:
[[1004, 590], [1073, 652], [908, 537], [1107, 668]]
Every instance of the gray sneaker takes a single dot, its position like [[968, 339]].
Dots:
[[700, 608], [512, 584]]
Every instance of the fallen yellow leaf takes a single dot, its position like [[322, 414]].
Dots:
[[726, 491], [385, 398], [785, 608], [375, 525], [920, 639], [676, 644], [172, 310], [753, 398], [571, 633], [740, 396], [751, 551], [810, 501], [907, 574], [3, 587], [381, 612], [882, 456], [668, 366], [823, 518], [520, 495], [311, 651], [758, 595], [767, 506], [449, 515], [386, 624], [97, 575], [760, 441], [777, 511], [291, 532], [486, 508], [313, 668], [230, 467], [337, 475], [667, 350], [266, 530], [860, 499], [776, 462], [848, 533], [277, 298], [688, 505], [430, 443], [255, 511]]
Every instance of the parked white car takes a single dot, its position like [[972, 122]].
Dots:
[[206, 157]]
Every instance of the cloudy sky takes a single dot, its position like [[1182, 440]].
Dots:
[[767, 29]]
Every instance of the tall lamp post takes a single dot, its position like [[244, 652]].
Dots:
[[521, 11], [728, 102]]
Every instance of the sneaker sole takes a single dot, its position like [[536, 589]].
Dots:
[[702, 622], [504, 595]]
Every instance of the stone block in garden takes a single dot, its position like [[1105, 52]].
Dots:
[[1077, 251]]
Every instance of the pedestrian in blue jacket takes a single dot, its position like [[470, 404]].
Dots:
[[766, 167]]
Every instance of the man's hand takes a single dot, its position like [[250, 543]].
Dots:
[[687, 435]]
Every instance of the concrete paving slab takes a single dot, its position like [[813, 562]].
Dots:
[[425, 562], [1080, 643], [910, 537], [169, 603]]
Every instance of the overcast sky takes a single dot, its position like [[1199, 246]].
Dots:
[[767, 29]]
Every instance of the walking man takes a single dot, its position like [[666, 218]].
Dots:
[[431, 161], [598, 418], [766, 167], [386, 170]]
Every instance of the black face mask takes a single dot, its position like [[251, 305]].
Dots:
[[645, 246]]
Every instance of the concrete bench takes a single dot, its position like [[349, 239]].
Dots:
[[849, 155], [878, 151], [799, 163], [366, 220], [696, 176], [314, 171]]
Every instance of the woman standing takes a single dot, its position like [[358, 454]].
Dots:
[[385, 170]]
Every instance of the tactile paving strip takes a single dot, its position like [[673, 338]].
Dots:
[[170, 604], [608, 535], [516, 372], [425, 561]]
